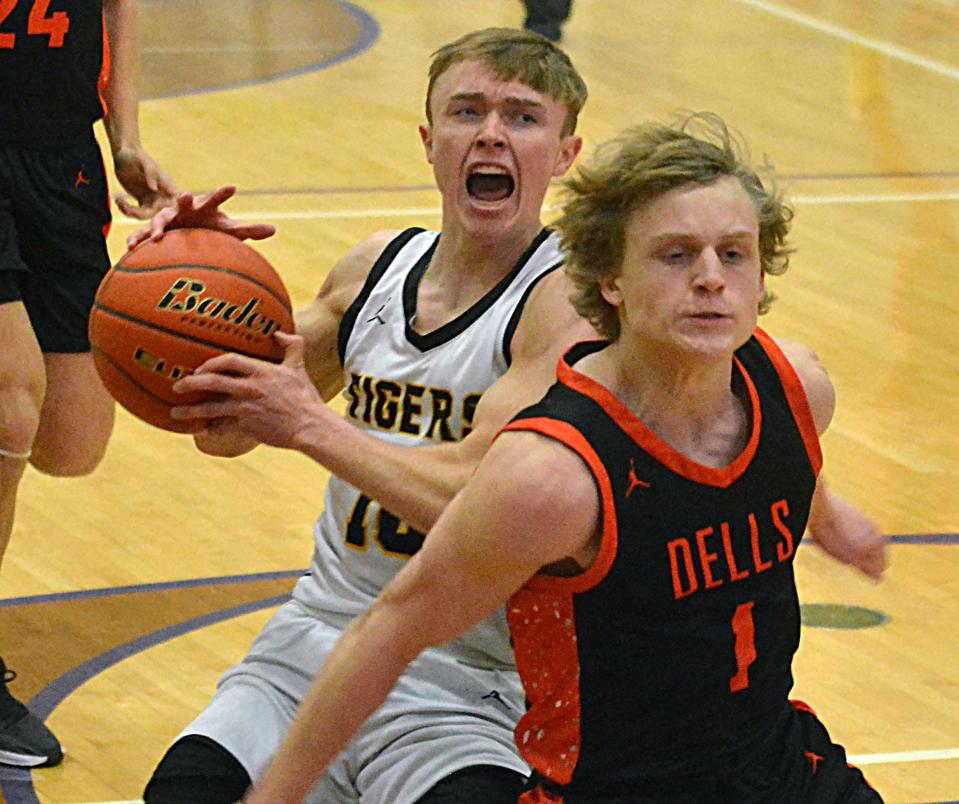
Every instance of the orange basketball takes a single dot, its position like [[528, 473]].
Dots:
[[168, 306]]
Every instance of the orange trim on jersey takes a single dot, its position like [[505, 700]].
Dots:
[[802, 706], [539, 796], [569, 436], [654, 445], [542, 626], [796, 395], [104, 76]]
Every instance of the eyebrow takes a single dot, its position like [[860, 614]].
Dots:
[[509, 101], [665, 237]]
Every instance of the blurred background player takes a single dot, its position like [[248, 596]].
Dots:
[[57, 77], [546, 17], [641, 521]]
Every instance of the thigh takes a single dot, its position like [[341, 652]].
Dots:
[[76, 418], [21, 362], [814, 769], [60, 208], [442, 717], [12, 269], [256, 699]]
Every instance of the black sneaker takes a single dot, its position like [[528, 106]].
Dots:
[[24, 740]]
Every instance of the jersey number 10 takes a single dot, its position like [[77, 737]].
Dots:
[[55, 25]]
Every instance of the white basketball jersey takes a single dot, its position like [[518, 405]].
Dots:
[[411, 390]]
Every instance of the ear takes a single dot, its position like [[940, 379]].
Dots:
[[610, 290], [568, 151], [762, 285], [426, 135]]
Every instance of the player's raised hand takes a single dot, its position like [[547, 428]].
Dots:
[[203, 212]]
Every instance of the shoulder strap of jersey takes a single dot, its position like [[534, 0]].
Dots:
[[795, 396], [376, 273]]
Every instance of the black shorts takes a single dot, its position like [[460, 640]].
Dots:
[[54, 217], [796, 764]]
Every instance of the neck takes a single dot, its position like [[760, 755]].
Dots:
[[689, 404], [465, 256], [462, 270]]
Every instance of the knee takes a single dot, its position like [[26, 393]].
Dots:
[[67, 457], [74, 445], [21, 398], [197, 770]]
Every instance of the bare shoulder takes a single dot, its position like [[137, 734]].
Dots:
[[814, 378], [319, 321], [549, 323], [345, 279], [544, 488], [350, 271]]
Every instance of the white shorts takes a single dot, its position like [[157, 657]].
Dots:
[[442, 716]]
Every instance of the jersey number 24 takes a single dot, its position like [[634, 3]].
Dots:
[[39, 23]]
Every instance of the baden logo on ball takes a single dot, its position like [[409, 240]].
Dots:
[[168, 306]]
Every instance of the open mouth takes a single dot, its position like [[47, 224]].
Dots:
[[490, 184]]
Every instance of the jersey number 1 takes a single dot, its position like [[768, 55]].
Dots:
[[38, 23], [745, 632]]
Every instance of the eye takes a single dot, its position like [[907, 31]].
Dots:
[[466, 111]]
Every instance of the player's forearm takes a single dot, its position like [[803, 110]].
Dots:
[[414, 484], [122, 90]]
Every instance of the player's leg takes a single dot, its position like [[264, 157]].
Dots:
[[233, 740], [76, 419], [479, 784], [546, 17], [63, 215], [824, 775], [24, 740], [197, 770], [443, 736], [22, 386]]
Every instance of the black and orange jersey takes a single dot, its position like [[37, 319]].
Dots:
[[672, 653], [52, 57]]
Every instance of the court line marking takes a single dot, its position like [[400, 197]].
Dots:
[[418, 212], [17, 784], [837, 31], [367, 35], [904, 756]]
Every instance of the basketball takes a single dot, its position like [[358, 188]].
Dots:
[[168, 306]]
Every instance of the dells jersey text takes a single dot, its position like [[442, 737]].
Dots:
[[707, 560]]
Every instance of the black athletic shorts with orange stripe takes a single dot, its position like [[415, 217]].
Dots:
[[800, 766], [54, 217]]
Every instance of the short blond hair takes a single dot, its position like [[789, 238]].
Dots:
[[516, 55], [636, 167]]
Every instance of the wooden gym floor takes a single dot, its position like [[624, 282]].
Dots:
[[125, 594]]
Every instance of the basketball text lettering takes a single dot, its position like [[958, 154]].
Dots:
[[186, 296], [159, 365]]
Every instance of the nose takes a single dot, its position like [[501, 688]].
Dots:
[[709, 273], [493, 132]]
